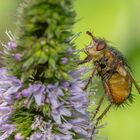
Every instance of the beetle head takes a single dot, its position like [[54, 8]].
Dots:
[[96, 46]]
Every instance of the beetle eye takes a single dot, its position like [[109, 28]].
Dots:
[[100, 45]]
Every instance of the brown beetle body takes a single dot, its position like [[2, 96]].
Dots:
[[114, 71], [120, 83], [120, 88], [112, 67]]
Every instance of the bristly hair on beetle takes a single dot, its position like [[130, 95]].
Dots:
[[112, 67]]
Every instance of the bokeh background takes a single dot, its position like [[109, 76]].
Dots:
[[119, 22]]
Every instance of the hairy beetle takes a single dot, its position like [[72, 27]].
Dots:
[[114, 71]]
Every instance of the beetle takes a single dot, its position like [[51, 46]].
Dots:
[[114, 71]]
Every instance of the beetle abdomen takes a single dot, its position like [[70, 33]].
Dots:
[[120, 88]]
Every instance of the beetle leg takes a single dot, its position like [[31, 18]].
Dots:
[[104, 113], [87, 59], [107, 90], [100, 118], [134, 82], [99, 106], [90, 78]]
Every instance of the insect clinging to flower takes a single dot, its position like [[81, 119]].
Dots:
[[114, 71]]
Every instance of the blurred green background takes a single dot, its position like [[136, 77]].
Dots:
[[119, 22]]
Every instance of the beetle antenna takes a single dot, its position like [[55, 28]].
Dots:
[[90, 34]]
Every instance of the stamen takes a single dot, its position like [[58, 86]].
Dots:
[[9, 34], [73, 38], [3, 45]]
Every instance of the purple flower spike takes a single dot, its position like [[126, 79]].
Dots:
[[7, 130], [71, 50], [66, 84], [59, 112], [45, 131], [12, 45], [53, 100], [64, 60], [79, 72], [78, 98], [63, 137], [67, 113], [18, 136], [36, 136], [37, 91], [9, 86], [17, 95], [25, 93], [55, 90], [3, 72], [82, 126], [4, 108], [18, 56]]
